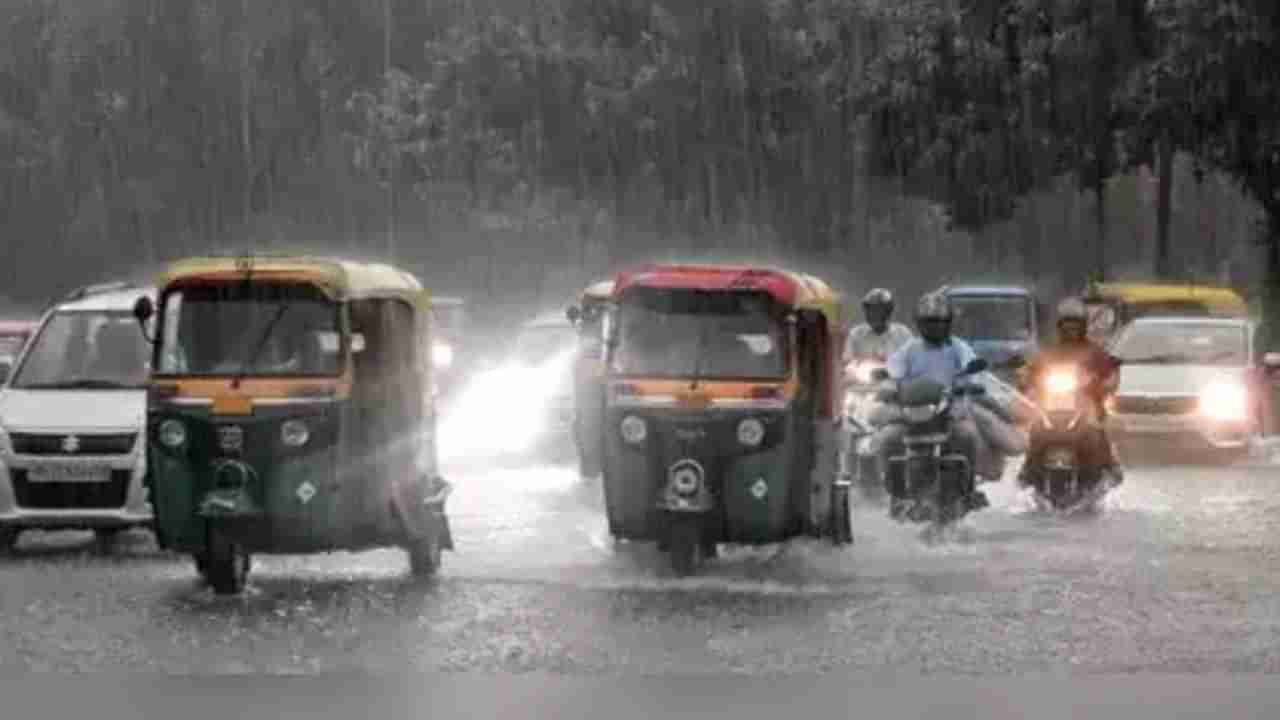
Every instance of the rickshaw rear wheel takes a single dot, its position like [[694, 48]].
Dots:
[[226, 563], [841, 516], [685, 544], [425, 556]]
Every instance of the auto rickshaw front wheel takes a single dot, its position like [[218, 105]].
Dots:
[[684, 543], [425, 555], [224, 562], [841, 515]]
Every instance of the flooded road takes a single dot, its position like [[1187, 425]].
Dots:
[[1180, 573]]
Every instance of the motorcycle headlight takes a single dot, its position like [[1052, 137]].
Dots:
[[172, 433], [294, 433], [750, 432], [1061, 382], [634, 430], [919, 413], [441, 356], [1226, 401]]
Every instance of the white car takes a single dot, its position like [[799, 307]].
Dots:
[[73, 418], [1189, 381]]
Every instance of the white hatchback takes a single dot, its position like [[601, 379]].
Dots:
[[73, 419]]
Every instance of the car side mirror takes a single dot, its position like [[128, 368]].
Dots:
[[976, 366]]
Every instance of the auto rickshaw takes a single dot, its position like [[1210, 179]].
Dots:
[[1114, 305], [288, 412], [722, 409], [587, 317]]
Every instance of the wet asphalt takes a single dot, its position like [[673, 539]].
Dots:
[[1180, 572]]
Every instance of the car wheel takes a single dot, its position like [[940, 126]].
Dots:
[[105, 539]]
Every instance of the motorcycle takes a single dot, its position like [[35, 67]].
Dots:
[[1058, 477], [927, 483], [861, 464]]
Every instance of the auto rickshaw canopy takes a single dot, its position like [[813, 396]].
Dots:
[[1215, 300], [796, 290], [340, 279]]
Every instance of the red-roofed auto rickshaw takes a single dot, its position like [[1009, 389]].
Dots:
[[721, 413]]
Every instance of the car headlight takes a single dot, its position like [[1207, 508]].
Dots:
[[634, 430], [172, 433], [1227, 401], [1060, 382], [750, 432], [441, 356], [919, 413], [294, 433]]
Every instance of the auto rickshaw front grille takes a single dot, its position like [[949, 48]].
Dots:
[[71, 496]]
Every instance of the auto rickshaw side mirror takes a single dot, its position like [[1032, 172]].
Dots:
[[144, 309]]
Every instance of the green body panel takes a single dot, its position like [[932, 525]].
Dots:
[[343, 507], [767, 519], [631, 483]]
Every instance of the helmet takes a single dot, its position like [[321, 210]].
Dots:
[[933, 318], [877, 305], [1073, 320]]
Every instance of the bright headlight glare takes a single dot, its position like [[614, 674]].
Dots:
[[441, 355], [1224, 401], [172, 433], [634, 430], [294, 433], [1061, 381], [750, 432]]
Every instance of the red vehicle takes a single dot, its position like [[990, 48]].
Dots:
[[13, 337]]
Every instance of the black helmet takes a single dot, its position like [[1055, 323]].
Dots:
[[877, 305], [933, 317], [1073, 320]]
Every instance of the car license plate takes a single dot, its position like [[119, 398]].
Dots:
[[68, 474]]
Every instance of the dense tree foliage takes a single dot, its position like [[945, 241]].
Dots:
[[573, 135]]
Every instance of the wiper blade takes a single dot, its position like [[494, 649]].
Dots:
[[252, 359]]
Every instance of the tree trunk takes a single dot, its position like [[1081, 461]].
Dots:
[[1164, 210]]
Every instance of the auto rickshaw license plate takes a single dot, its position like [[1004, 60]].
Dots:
[[77, 474]]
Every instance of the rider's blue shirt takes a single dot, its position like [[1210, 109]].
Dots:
[[941, 364]]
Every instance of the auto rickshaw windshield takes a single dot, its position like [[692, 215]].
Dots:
[[992, 318], [255, 329], [692, 333]]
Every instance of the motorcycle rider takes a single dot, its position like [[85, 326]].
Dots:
[[939, 356], [879, 337], [1076, 349]]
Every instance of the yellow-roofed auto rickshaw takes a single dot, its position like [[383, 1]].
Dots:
[[587, 317], [1114, 305], [289, 411], [722, 409]]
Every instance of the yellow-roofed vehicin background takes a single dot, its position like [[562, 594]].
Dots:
[[1112, 306], [289, 411]]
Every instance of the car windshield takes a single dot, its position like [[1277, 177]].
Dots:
[[255, 329], [992, 318], [84, 349], [537, 345], [1182, 344], [688, 333]]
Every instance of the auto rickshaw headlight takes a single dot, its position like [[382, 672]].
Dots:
[[750, 432], [172, 433], [294, 433], [634, 430]]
